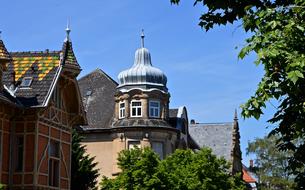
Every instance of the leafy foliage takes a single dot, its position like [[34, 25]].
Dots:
[[2, 187], [184, 169], [270, 164], [83, 172], [277, 37]]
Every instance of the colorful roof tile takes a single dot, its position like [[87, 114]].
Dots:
[[4, 55]]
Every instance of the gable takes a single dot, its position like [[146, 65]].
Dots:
[[97, 90]]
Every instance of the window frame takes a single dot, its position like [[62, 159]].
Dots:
[[154, 109], [136, 107], [134, 143], [162, 148], [54, 164], [122, 110], [23, 81]]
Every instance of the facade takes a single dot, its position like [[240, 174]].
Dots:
[[39, 104], [137, 114]]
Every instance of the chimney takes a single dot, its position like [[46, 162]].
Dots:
[[193, 121], [251, 164]]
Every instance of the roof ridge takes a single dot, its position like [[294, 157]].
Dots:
[[30, 53], [100, 71]]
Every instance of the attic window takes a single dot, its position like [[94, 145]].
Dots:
[[88, 93], [26, 82]]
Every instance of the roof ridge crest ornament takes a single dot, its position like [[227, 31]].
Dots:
[[142, 38], [68, 30]]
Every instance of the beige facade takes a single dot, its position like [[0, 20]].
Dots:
[[105, 145]]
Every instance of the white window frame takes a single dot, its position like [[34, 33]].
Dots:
[[131, 107], [152, 114], [134, 143], [122, 111]]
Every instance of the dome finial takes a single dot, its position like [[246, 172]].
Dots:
[[142, 38], [68, 30]]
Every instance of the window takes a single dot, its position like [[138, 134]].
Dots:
[[54, 154], [136, 108], [19, 153], [26, 82], [122, 110], [133, 144], [154, 109], [89, 92], [158, 148]]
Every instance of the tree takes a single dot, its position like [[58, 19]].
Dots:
[[184, 169], [83, 172], [276, 29], [270, 164]]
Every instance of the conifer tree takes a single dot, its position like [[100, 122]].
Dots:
[[83, 172]]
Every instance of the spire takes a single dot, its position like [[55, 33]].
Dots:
[[68, 30], [142, 38]]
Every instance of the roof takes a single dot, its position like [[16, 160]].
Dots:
[[41, 66], [247, 176], [141, 123], [97, 90], [217, 136], [42, 69], [3, 52]]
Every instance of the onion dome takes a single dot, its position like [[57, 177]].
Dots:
[[142, 74]]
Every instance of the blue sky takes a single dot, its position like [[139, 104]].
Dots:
[[203, 71]]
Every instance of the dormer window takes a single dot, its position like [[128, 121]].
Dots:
[[154, 109], [26, 82], [136, 108], [122, 110]]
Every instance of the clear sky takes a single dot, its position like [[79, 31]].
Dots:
[[202, 68]]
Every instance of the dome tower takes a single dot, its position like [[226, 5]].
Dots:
[[142, 93]]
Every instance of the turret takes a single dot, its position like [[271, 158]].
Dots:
[[5, 58]]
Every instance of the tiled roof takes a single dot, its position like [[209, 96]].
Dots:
[[97, 90], [217, 136], [41, 66], [247, 177], [68, 56], [3, 51]]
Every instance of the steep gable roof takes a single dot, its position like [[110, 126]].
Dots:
[[97, 90], [43, 68]]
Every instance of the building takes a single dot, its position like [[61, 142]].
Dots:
[[133, 112], [222, 138], [40, 102]]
